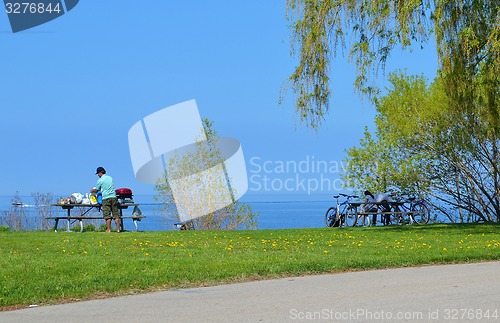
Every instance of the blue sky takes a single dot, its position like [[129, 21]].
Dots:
[[72, 88]]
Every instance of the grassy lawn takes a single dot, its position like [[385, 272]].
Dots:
[[54, 267]]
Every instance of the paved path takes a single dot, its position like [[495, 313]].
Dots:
[[449, 293]]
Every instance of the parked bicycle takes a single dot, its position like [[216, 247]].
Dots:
[[343, 214], [416, 208]]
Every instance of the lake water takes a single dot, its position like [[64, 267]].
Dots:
[[275, 211]]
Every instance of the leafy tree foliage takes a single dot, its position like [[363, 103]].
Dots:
[[424, 145], [467, 38]]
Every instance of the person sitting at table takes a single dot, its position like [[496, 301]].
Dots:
[[383, 200], [372, 202], [369, 206]]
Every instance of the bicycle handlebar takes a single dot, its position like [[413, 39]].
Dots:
[[345, 195]]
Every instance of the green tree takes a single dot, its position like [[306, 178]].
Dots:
[[205, 185], [467, 35], [423, 144], [391, 158]]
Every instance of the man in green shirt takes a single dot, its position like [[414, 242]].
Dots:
[[106, 186]]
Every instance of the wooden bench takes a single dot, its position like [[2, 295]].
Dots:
[[80, 219], [366, 214], [382, 212]]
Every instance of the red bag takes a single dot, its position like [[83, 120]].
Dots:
[[123, 193]]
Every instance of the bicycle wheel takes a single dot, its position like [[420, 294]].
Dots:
[[331, 217], [420, 213], [351, 217]]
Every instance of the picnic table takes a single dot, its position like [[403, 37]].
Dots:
[[84, 210], [379, 208]]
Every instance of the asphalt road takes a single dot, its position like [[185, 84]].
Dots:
[[448, 293]]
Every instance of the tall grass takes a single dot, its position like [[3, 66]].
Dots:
[[49, 267]]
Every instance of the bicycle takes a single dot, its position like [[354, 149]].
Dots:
[[417, 210], [343, 214]]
